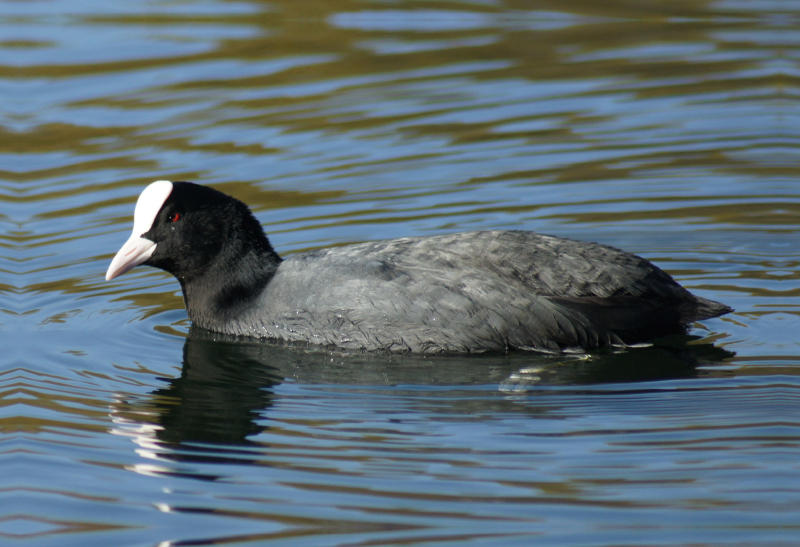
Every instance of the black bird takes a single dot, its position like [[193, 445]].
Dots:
[[464, 292]]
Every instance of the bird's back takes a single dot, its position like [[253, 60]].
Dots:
[[475, 291]]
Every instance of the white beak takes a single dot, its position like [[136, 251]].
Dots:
[[135, 251], [138, 249]]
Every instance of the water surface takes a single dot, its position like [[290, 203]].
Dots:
[[664, 128]]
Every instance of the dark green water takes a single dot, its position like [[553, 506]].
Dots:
[[666, 128]]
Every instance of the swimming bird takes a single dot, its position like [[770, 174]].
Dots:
[[493, 290]]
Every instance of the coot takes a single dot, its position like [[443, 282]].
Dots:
[[464, 292]]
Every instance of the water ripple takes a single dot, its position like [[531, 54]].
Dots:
[[665, 129]]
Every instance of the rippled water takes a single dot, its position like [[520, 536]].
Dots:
[[665, 128]]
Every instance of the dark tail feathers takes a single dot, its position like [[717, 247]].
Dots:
[[706, 309]]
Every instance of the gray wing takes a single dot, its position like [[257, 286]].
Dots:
[[467, 292]]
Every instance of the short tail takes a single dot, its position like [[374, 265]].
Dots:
[[706, 309]]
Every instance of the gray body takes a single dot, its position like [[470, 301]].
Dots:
[[475, 291]]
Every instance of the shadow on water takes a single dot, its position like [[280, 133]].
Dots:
[[227, 387]]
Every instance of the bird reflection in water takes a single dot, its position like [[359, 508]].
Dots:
[[216, 409]]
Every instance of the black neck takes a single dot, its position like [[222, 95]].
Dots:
[[230, 285]]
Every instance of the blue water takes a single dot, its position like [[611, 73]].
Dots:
[[666, 129]]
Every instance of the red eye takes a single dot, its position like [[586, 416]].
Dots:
[[174, 217]]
